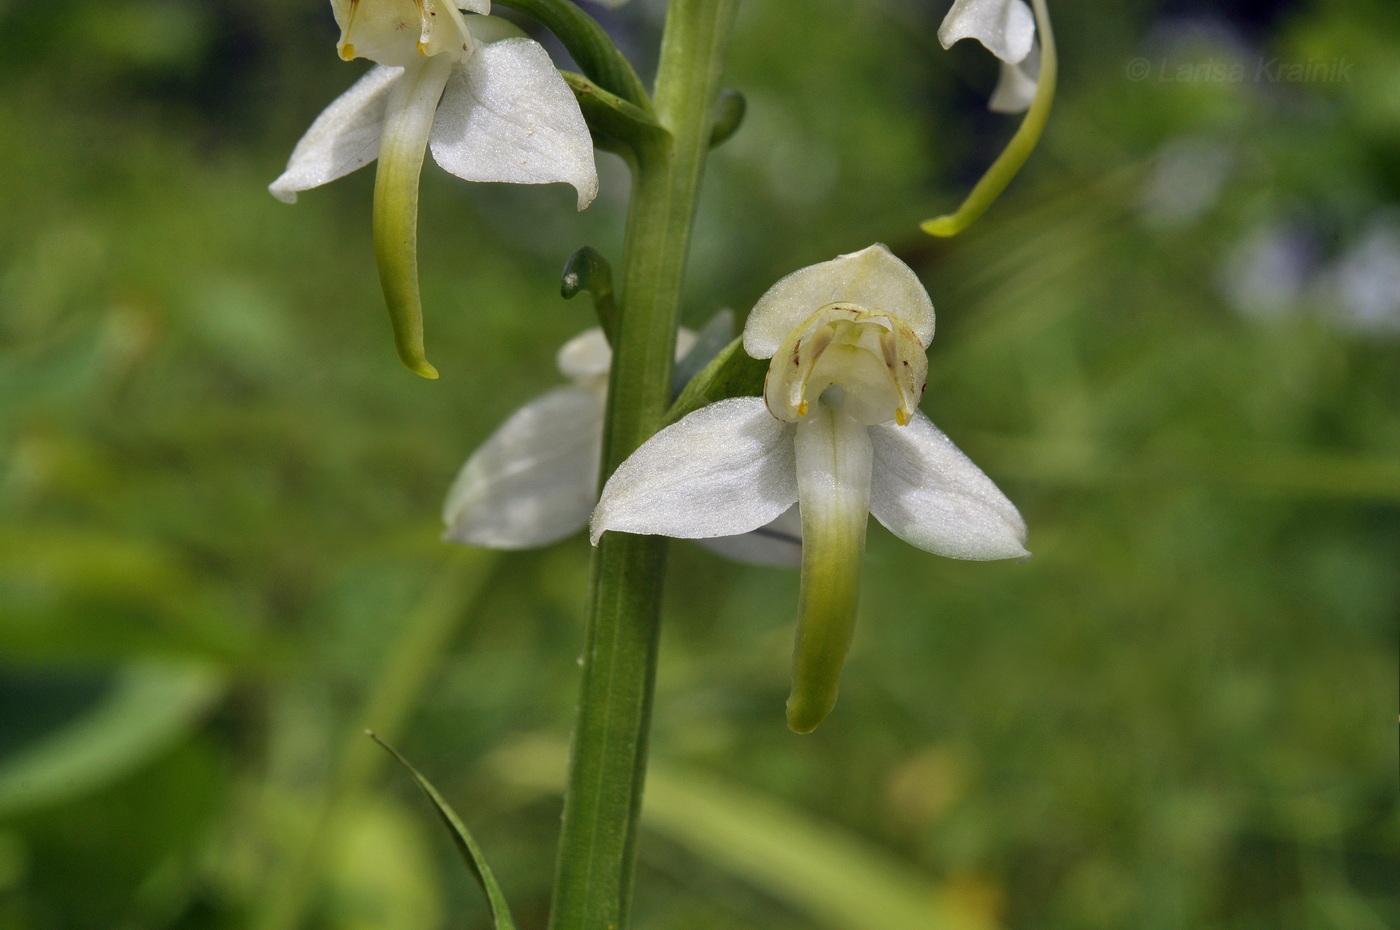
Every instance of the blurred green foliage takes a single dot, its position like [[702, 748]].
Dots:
[[1168, 344]]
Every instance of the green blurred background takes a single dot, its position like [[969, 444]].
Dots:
[[1174, 344]]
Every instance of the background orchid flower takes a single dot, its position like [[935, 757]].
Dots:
[[489, 110], [1007, 29], [535, 480], [837, 431]]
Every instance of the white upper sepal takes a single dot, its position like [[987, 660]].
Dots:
[[1005, 27], [507, 115], [723, 470], [533, 481], [1015, 90], [928, 493], [343, 138], [872, 279]]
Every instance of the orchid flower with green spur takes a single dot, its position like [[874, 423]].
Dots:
[[838, 431], [490, 108], [1021, 37]]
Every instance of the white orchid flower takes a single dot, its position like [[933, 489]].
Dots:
[[489, 110], [1007, 29], [839, 433], [535, 480]]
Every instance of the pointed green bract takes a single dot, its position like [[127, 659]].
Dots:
[[618, 126], [731, 373], [463, 840], [1009, 162]]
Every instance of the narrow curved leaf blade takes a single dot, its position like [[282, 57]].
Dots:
[[463, 840]]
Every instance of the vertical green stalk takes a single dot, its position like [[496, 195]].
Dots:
[[593, 883]]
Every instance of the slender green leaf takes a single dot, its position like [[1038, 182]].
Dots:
[[462, 838]]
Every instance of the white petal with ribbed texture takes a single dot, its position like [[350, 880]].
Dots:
[[507, 115], [871, 278], [534, 480], [723, 470], [1005, 27], [343, 138], [778, 544], [926, 492]]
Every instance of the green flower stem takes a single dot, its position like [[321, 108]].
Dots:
[[593, 884], [413, 659]]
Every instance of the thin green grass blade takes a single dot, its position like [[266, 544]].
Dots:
[[462, 838]]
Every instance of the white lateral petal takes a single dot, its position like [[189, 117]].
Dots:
[[1005, 27], [926, 492], [723, 470], [1015, 90], [534, 480], [585, 357], [778, 544], [344, 137], [871, 278], [507, 115]]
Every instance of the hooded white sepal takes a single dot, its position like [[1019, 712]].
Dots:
[[1005, 27], [871, 278]]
